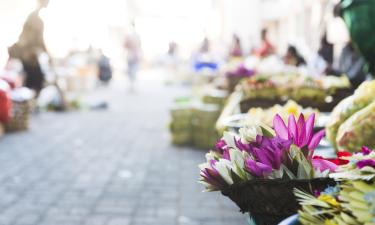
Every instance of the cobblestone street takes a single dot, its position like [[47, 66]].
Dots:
[[107, 167]]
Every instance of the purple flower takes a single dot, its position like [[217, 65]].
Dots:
[[300, 132], [241, 71], [220, 144], [241, 146], [257, 169], [222, 148], [366, 162], [269, 151], [366, 150], [212, 176]]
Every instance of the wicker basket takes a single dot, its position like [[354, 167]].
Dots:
[[271, 201], [20, 115]]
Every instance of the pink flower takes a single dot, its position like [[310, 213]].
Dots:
[[323, 165], [300, 132]]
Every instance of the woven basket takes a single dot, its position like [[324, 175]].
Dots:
[[271, 201], [20, 115], [247, 104]]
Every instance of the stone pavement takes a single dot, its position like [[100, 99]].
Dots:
[[109, 167]]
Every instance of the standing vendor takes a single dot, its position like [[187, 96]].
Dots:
[[29, 46], [266, 48]]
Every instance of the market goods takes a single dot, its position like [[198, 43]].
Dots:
[[350, 202], [256, 115], [180, 125], [5, 106], [235, 76], [258, 168], [363, 96], [193, 122], [358, 130], [321, 93]]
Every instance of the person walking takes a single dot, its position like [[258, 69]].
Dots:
[[133, 52]]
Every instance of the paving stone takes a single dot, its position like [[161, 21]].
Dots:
[[107, 167]]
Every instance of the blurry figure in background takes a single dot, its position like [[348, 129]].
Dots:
[[172, 56], [28, 48], [351, 63], [205, 46], [322, 61], [266, 48], [236, 47], [293, 57], [172, 49], [133, 52], [203, 59], [105, 69], [326, 53]]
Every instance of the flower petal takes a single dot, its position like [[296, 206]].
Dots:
[[309, 127], [366, 162], [323, 165], [280, 127], [301, 131], [315, 140], [365, 150], [257, 169], [292, 128]]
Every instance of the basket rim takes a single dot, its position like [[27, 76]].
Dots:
[[273, 181]]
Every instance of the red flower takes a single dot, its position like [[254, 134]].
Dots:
[[338, 161], [342, 154]]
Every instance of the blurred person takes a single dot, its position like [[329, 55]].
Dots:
[[172, 49], [203, 59], [351, 64], [29, 47], [236, 47], [266, 48], [325, 52], [205, 46], [133, 52], [172, 55], [293, 57], [105, 69]]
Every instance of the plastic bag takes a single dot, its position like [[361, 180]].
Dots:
[[358, 130], [362, 97]]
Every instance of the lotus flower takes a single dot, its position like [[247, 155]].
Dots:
[[222, 147], [257, 169], [269, 151], [215, 174], [300, 132]]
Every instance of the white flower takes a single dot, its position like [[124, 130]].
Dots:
[[249, 133]]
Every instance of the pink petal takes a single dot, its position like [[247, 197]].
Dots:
[[301, 130], [280, 127], [292, 127], [323, 165], [315, 140], [309, 127]]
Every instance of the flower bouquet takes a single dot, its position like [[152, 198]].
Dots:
[[352, 202], [259, 168]]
